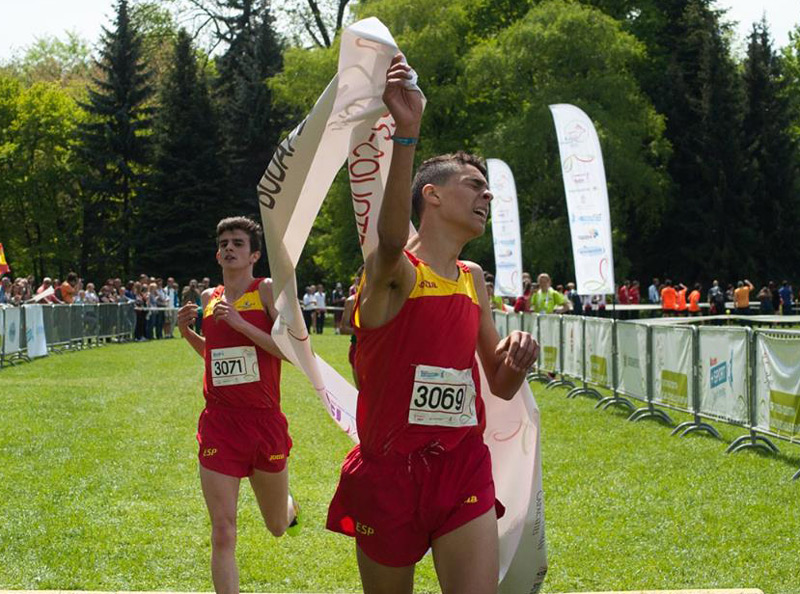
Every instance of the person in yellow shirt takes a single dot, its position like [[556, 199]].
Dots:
[[547, 299], [741, 297]]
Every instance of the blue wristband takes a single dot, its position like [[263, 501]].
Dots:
[[405, 141]]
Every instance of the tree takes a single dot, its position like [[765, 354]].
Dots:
[[317, 21], [534, 63], [187, 195], [708, 229], [251, 125], [39, 206], [771, 166], [50, 59], [115, 147]]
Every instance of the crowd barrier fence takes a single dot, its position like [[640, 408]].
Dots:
[[36, 330], [739, 376]]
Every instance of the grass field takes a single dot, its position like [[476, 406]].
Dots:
[[99, 489]]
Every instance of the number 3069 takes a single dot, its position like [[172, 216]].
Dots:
[[437, 397]]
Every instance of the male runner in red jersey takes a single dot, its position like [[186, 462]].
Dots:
[[421, 476], [242, 431]]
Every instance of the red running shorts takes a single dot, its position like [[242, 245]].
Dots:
[[395, 507], [236, 442]]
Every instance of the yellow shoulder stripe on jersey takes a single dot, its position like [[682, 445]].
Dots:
[[250, 301], [430, 284]]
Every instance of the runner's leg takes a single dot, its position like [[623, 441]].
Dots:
[[221, 493], [382, 579], [272, 493], [466, 559]]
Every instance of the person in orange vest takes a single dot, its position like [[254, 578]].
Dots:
[[669, 299], [680, 300], [694, 300], [741, 297]]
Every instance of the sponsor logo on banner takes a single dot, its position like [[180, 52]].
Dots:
[[12, 332], [674, 388], [628, 361], [599, 369], [550, 355], [784, 412]]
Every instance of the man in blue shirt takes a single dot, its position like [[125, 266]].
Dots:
[[787, 298], [653, 293]]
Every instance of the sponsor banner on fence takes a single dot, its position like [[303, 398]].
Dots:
[[587, 200], [672, 366], [723, 373], [349, 123], [549, 332], [501, 322], [11, 330], [573, 346], [530, 323], [599, 351], [632, 359], [34, 331], [505, 230], [778, 384]]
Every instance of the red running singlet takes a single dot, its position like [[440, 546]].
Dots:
[[239, 374], [408, 400]]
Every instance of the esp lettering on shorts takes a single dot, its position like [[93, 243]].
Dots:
[[364, 529], [208, 452]]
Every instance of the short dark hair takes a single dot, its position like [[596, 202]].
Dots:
[[249, 226], [437, 170]]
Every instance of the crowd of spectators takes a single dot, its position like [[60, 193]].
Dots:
[[674, 298], [152, 297]]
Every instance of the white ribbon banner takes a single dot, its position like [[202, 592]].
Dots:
[[723, 373], [778, 384], [505, 230], [349, 120], [587, 200]]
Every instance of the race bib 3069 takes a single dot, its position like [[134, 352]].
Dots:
[[443, 396]]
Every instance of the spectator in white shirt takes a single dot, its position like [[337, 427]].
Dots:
[[309, 307], [319, 298]]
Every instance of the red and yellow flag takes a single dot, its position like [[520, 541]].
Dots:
[[4, 267]]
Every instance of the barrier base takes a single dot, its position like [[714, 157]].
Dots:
[[753, 441], [796, 475], [651, 412], [616, 400], [689, 427], [584, 390], [559, 383]]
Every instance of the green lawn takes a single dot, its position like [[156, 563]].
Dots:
[[99, 489]]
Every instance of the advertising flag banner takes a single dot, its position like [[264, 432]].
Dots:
[[587, 200], [349, 124], [505, 230]]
